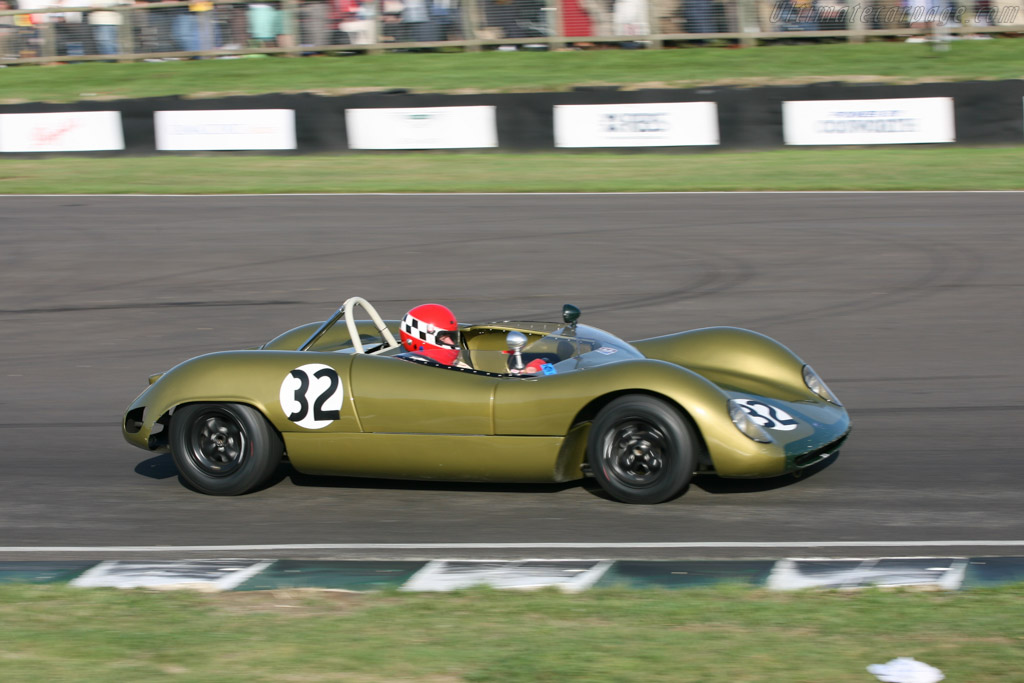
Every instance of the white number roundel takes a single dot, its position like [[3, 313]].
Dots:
[[769, 417], [311, 395]]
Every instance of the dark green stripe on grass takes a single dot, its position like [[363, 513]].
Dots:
[[333, 574]]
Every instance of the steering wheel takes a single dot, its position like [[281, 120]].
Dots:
[[346, 310]]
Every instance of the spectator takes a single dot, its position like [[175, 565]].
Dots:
[[600, 13], [444, 15], [105, 26], [662, 16], [183, 28], [8, 33], [314, 29], [193, 26], [264, 24], [922, 13], [699, 16], [154, 28], [204, 28], [831, 14], [73, 37], [391, 18], [356, 21], [984, 13], [795, 15], [231, 29], [516, 18], [416, 21], [879, 14], [575, 21], [629, 18]]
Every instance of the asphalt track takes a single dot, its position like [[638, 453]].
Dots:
[[908, 304]]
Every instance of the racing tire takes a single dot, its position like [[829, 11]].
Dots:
[[641, 449], [224, 449]]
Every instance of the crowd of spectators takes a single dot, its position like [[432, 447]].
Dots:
[[109, 27]]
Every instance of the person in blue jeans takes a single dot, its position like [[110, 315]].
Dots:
[[105, 26]]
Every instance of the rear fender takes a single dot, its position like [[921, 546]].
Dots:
[[250, 377]]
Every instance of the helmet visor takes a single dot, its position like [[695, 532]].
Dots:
[[447, 338]]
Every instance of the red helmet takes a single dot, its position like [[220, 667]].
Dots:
[[432, 331]]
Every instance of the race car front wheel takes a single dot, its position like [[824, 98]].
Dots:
[[641, 449], [223, 449]]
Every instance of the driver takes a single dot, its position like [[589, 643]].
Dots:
[[430, 332]]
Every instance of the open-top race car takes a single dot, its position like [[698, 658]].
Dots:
[[523, 402]]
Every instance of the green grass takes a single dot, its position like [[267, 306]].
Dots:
[[723, 634], [896, 62], [910, 168], [907, 168]]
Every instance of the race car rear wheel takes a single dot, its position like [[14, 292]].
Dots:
[[641, 449], [224, 449]]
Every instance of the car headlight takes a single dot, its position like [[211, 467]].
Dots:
[[741, 418], [818, 386]]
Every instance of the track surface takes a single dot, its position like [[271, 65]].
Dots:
[[909, 305]]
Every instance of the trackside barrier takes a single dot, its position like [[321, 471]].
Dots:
[[969, 113], [940, 573], [48, 31]]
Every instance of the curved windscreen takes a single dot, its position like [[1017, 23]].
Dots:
[[565, 348]]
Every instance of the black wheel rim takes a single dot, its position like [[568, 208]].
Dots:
[[217, 443], [634, 452]]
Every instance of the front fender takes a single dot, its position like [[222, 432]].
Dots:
[[551, 405], [734, 358]]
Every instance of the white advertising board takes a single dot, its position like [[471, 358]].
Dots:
[[72, 131], [662, 124], [225, 129], [912, 120], [422, 128]]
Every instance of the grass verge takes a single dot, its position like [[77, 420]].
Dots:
[[907, 168], [893, 62], [727, 633]]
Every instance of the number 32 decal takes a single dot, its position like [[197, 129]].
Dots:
[[769, 417], [311, 395]]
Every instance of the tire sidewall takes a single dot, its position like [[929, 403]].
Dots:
[[263, 449], [679, 457]]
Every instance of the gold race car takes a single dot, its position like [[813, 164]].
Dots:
[[340, 397]]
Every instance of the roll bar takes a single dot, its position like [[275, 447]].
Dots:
[[345, 311]]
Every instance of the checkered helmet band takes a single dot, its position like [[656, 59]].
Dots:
[[425, 332]]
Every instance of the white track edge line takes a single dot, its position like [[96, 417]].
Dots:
[[513, 546], [509, 194]]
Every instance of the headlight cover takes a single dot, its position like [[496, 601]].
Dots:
[[741, 418], [818, 386]]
